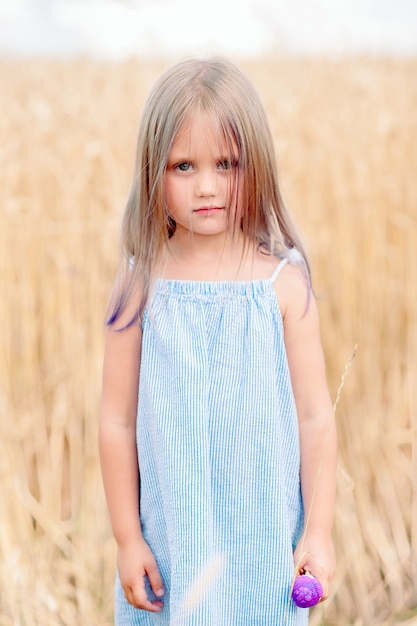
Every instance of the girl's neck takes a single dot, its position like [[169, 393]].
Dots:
[[214, 259], [187, 245]]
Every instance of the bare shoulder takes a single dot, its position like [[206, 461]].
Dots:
[[293, 292], [125, 299]]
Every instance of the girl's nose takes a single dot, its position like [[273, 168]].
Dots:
[[207, 183]]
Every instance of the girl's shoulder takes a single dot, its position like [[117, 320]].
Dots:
[[293, 290], [125, 299]]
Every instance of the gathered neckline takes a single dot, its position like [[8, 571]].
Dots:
[[165, 286]]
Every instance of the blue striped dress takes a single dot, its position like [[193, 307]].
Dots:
[[218, 448]]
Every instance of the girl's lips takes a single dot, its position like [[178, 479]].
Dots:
[[208, 209]]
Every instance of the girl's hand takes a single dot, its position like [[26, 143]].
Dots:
[[134, 562], [315, 554]]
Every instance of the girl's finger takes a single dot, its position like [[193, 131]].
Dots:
[[138, 598], [155, 579]]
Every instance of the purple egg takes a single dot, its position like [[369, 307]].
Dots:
[[307, 591]]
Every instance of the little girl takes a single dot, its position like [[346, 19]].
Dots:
[[217, 442]]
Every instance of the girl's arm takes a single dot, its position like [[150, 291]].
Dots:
[[119, 464], [318, 442]]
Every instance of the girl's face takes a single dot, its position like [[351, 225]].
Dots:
[[200, 180]]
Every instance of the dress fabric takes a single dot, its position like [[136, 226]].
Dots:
[[218, 449]]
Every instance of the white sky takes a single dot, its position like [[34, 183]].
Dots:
[[119, 28]]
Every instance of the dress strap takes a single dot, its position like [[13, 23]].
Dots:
[[278, 269]]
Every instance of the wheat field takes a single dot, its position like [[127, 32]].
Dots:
[[346, 138]]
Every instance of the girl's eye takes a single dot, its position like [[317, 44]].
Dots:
[[226, 165], [183, 167]]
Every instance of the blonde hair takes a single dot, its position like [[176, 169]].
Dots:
[[219, 89]]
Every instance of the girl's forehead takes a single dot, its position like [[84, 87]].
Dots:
[[201, 128]]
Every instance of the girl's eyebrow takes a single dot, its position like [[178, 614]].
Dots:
[[177, 156]]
